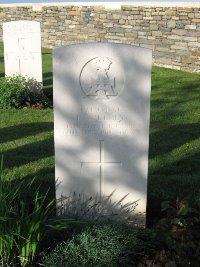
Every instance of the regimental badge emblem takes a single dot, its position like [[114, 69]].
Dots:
[[102, 78]]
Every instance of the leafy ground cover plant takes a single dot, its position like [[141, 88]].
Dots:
[[17, 91], [175, 240], [12, 91], [179, 231], [106, 244]]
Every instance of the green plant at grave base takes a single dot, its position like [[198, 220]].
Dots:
[[106, 244], [18, 91], [12, 90], [32, 228], [81, 207], [35, 100], [24, 220]]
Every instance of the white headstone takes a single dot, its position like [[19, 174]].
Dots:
[[101, 120], [22, 49]]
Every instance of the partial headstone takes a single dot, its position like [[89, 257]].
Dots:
[[101, 120], [22, 49]]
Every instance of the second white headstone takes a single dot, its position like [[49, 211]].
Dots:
[[22, 49]]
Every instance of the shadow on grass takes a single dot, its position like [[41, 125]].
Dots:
[[45, 179], [170, 188], [48, 85], [2, 73], [24, 130], [47, 53], [164, 141], [47, 75], [176, 172], [29, 153]]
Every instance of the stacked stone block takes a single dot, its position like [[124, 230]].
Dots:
[[173, 33]]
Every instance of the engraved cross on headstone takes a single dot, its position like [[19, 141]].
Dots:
[[23, 52], [21, 57], [102, 164]]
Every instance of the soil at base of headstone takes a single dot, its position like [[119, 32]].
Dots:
[[165, 259]]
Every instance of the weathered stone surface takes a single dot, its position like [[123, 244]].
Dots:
[[156, 33], [177, 47], [153, 27], [196, 54], [190, 27], [196, 20], [175, 37], [190, 39], [171, 23], [194, 44], [102, 16], [117, 16], [74, 13], [180, 32]]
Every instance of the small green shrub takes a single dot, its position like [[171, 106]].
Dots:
[[17, 91], [107, 244], [12, 90]]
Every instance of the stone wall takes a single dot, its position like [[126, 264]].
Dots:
[[171, 30]]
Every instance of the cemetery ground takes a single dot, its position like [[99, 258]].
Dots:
[[173, 208]]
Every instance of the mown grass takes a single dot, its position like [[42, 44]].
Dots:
[[26, 137], [174, 155]]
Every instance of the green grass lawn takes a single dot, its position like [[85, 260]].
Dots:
[[26, 137], [174, 154]]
